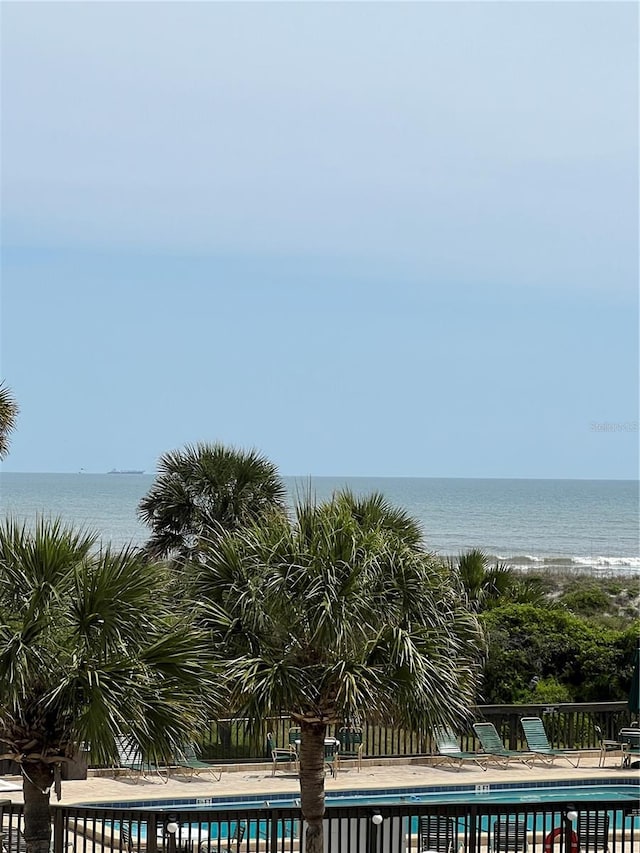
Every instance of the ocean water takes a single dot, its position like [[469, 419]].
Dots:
[[587, 525]]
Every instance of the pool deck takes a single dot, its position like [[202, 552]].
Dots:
[[248, 779]]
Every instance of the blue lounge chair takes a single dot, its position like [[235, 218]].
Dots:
[[538, 743]]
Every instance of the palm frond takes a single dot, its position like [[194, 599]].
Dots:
[[9, 411]]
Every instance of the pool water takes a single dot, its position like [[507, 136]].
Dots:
[[622, 790], [543, 822], [579, 793]]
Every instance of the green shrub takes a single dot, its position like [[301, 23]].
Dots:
[[548, 690], [587, 601], [572, 658]]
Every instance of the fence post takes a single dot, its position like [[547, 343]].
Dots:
[[58, 830], [273, 836], [152, 832], [473, 821]]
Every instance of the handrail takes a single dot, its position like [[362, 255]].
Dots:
[[569, 725]]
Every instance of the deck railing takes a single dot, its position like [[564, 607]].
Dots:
[[570, 726], [550, 827]]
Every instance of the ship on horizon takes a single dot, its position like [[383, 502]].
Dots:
[[125, 471]]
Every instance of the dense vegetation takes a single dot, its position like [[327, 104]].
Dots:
[[552, 637], [538, 654]]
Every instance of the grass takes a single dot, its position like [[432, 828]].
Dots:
[[613, 600]]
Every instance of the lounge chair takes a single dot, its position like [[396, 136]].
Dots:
[[509, 834], [280, 755], [351, 744], [538, 743], [438, 833], [593, 832], [186, 760], [130, 761], [492, 745], [449, 751]]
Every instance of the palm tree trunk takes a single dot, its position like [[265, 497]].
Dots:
[[37, 781], [312, 783]]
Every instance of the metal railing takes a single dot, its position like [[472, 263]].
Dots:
[[550, 827], [570, 726]]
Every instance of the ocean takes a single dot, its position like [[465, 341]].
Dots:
[[581, 525]]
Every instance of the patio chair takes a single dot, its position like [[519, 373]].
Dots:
[[608, 747], [332, 755], [294, 737], [12, 840], [492, 745], [126, 842], [538, 743], [593, 832], [630, 738], [509, 834], [449, 751], [351, 744], [233, 844], [438, 833], [280, 755], [186, 760]]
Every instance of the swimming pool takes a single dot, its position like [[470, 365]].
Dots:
[[593, 789], [538, 802]]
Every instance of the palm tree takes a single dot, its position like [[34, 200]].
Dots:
[[205, 488], [8, 416], [90, 649], [487, 586], [337, 614]]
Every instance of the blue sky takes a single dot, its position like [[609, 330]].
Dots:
[[367, 239]]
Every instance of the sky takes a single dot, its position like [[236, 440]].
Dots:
[[386, 239]]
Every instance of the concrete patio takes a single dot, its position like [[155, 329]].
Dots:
[[251, 779]]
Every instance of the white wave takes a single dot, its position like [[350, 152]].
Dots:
[[568, 562], [632, 562], [521, 558]]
